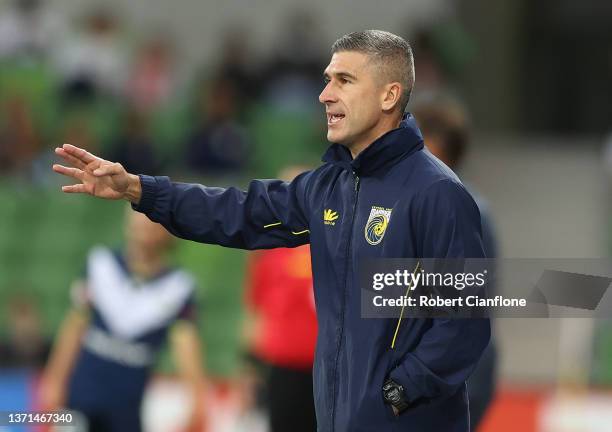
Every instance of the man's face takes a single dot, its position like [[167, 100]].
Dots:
[[352, 97]]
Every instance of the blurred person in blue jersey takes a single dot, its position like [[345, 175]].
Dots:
[[445, 128], [123, 311], [378, 194]]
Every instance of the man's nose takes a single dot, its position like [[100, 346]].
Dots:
[[327, 95]]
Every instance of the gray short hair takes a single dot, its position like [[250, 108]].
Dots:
[[392, 52]]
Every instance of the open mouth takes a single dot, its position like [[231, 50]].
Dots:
[[334, 118]]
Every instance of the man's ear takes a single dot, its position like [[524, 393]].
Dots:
[[391, 96]]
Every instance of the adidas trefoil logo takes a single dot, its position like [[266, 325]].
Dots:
[[329, 217]]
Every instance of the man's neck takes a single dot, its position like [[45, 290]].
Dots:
[[382, 128]]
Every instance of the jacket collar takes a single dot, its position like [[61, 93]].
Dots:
[[382, 153]]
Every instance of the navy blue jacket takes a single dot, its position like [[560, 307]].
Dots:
[[432, 216]]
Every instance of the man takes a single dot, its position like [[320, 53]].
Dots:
[[124, 309], [376, 167], [445, 129]]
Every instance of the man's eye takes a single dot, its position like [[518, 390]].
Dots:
[[326, 80]]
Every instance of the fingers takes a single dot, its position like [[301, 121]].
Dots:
[[77, 188], [69, 158], [67, 171], [86, 161], [79, 153]]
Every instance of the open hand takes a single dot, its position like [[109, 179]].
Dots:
[[97, 177]]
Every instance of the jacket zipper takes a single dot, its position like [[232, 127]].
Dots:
[[343, 305]]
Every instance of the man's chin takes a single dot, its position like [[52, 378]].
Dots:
[[335, 138]]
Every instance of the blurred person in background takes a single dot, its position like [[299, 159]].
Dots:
[[19, 139], [25, 345], [282, 330], [28, 29], [432, 77], [292, 76], [78, 123], [235, 64], [92, 62], [152, 79], [442, 52], [445, 128], [134, 147], [129, 303], [219, 144]]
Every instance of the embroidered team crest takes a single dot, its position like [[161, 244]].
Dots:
[[377, 224]]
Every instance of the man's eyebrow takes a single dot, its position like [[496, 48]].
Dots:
[[340, 75]]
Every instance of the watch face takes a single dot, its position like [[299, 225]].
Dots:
[[394, 395]]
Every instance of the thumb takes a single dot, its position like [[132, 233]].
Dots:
[[108, 169]]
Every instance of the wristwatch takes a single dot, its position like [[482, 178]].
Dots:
[[393, 394]]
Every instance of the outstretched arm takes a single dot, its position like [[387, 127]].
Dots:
[[272, 213]]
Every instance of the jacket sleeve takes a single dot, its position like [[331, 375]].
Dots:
[[271, 213], [448, 224]]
